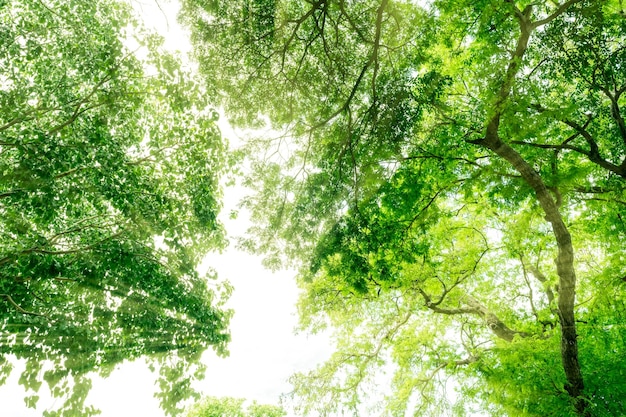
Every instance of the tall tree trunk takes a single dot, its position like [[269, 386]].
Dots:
[[565, 257], [564, 265]]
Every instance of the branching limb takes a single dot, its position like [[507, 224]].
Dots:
[[559, 11], [373, 59], [496, 325], [474, 307], [543, 280], [580, 130], [538, 275], [18, 308]]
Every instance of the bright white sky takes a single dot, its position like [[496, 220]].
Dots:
[[264, 351]]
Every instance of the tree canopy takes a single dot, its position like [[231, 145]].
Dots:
[[449, 178], [110, 168], [232, 407]]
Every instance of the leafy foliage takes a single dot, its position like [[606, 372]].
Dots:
[[449, 177], [109, 196], [232, 407]]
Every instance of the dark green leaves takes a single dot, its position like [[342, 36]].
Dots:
[[109, 196]]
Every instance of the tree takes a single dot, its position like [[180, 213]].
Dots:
[[232, 407], [449, 178], [109, 196]]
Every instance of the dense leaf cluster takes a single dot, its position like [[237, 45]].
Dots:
[[109, 195]]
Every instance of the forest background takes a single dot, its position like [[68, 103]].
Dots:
[[446, 177]]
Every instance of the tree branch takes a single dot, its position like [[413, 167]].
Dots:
[[373, 58], [18, 308], [543, 280], [549, 146], [594, 151], [496, 325], [560, 10]]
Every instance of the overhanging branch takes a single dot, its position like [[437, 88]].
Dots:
[[17, 306], [475, 307]]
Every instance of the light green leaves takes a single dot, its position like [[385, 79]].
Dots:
[[431, 165], [232, 407]]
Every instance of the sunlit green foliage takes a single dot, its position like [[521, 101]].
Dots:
[[232, 407], [108, 201], [448, 175]]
